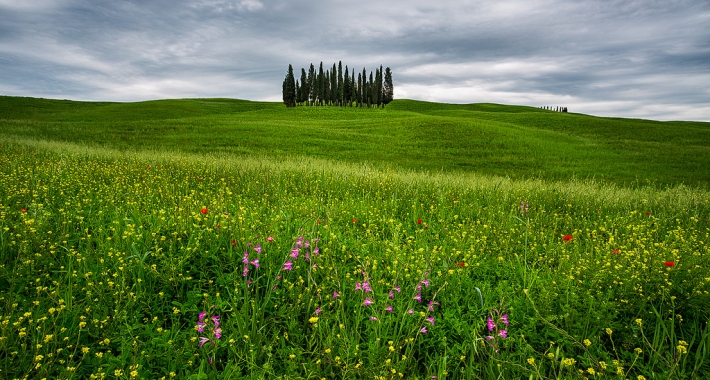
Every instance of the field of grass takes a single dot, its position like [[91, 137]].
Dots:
[[132, 250], [508, 141]]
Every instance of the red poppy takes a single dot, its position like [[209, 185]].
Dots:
[[23, 210], [670, 263], [204, 211], [615, 251], [354, 221], [461, 264], [567, 238], [419, 221], [648, 212], [318, 221], [199, 179], [234, 243], [270, 239]]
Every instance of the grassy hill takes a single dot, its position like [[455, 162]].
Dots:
[[491, 139]]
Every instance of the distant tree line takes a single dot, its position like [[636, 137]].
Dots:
[[332, 87], [554, 108]]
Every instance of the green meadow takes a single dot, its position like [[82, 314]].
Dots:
[[229, 239]]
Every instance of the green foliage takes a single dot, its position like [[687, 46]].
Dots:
[[107, 259]]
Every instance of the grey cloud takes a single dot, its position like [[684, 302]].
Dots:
[[619, 58]]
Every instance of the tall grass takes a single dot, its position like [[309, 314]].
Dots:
[[108, 259]]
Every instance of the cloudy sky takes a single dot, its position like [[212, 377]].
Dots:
[[627, 58]]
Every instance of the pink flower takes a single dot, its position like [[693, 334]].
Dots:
[[215, 320], [201, 327], [418, 297], [368, 301], [373, 318], [255, 262], [203, 340], [504, 318], [217, 333], [335, 294], [503, 333], [431, 320], [366, 287], [491, 324], [423, 330], [245, 272], [425, 282], [288, 265], [202, 316], [410, 311], [294, 253], [258, 248], [358, 286], [398, 289], [391, 293], [318, 310], [389, 308], [270, 239]]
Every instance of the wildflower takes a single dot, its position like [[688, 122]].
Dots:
[[503, 333], [255, 262], [423, 330], [373, 318], [270, 239], [203, 340], [410, 311], [245, 272], [366, 287], [389, 308], [391, 295], [204, 211], [234, 243], [609, 331], [431, 305], [215, 320], [639, 321], [23, 210], [245, 258], [257, 248], [587, 342], [294, 253], [425, 282], [354, 221], [567, 238], [504, 319], [217, 332], [648, 212], [491, 324], [615, 251], [489, 338], [313, 320], [461, 264], [288, 265], [669, 263], [431, 320], [418, 297], [398, 289], [358, 286], [419, 221], [318, 310], [531, 361], [201, 316], [523, 207], [368, 301], [335, 294]]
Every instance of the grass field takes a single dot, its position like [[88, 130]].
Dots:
[[507, 141], [230, 239]]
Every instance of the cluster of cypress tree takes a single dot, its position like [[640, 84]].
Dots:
[[331, 87]]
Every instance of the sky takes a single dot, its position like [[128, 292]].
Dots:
[[623, 58]]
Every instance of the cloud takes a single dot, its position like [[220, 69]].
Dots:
[[621, 58]]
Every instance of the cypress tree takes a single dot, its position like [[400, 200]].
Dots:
[[388, 89], [303, 94], [327, 88], [341, 89], [311, 84], [370, 93], [298, 93], [359, 89], [353, 89], [347, 90], [364, 87], [321, 85], [333, 84], [289, 88]]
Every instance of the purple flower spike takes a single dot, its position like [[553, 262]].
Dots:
[[389, 308], [431, 320], [217, 333], [258, 248], [201, 327], [491, 324], [203, 340], [503, 333], [255, 262], [368, 301], [336, 295], [245, 259], [316, 251], [504, 319], [391, 294], [425, 282], [202, 316], [288, 265], [294, 253], [358, 286], [418, 297], [366, 287], [318, 310], [245, 272], [215, 320], [423, 330], [398, 289]]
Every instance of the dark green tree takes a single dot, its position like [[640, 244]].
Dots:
[[303, 94], [321, 85], [339, 94], [359, 89], [388, 88], [289, 88], [347, 90], [312, 90]]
